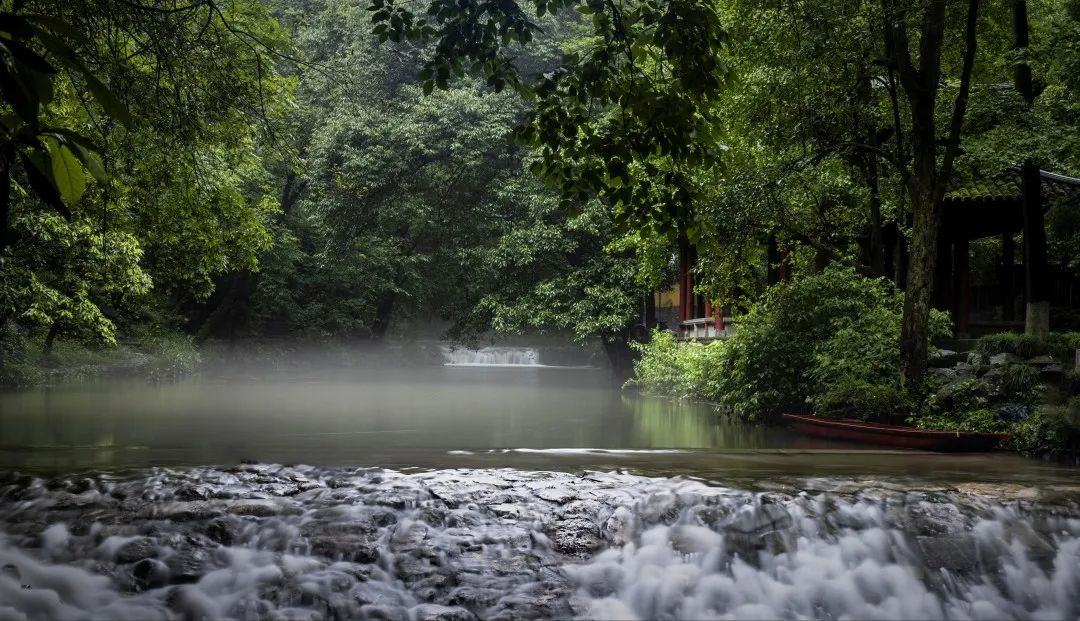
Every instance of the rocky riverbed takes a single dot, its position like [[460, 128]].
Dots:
[[265, 541]]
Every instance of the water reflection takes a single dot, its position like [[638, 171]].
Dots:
[[435, 417]]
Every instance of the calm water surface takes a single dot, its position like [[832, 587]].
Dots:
[[433, 417]]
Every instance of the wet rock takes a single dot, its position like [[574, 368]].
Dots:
[[760, 519], [136, 550], [435, 612], [1042, 361], [187, 565], [946, 374], [1012, 412], [576, 537], [149, 573], [189, 511], [557, 494], [193, 492], [1052, 374], [618, 529], [956, 553], [933, 519], [474, 597], [222, 531], [384, 613], [349, 547], [943, 358], [1004, 359], [255, 508]]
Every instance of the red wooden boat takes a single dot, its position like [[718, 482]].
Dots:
[[894, 435]]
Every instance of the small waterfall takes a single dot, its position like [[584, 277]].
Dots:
[[267, 541], [492, 357]]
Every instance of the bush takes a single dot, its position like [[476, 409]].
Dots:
[[1060, 345], [17, 366], [982, 420], [807, 336], [1020, 345], [1020, 384], [850, 397], [670, 368], [1050, 432]]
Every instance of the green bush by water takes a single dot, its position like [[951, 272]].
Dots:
[[828, 341]]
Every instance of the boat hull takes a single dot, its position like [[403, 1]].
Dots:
[[851, 430]]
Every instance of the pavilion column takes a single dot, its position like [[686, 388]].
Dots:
[[1008, 290], [684, 261], [943, 281], [962, 287], [1037, 278]]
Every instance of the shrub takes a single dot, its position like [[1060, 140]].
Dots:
[[807, 335], [850, 397], [17, 366], [1020, 384], [983, 420], [1020, 345], [1060, 345], [668, 367], [1050, 432]]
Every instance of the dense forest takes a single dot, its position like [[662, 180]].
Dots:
[[345, 170]]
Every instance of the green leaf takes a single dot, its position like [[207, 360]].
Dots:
[[39, 174], [67, 172]]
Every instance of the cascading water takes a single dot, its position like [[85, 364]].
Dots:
[[262, 541], [492, 357]]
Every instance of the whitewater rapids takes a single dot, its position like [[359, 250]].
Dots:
[[266, 541]]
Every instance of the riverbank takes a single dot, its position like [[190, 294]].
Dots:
[[990, 389]]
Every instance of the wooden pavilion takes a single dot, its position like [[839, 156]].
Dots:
[[996, 209]]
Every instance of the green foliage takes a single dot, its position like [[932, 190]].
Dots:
[[982, 420], [830, 340], [1020, 384], [1014, 343], [620, 118], [1050, 431], [850, 397], [670, 368], [1061, 345], [770, 363]]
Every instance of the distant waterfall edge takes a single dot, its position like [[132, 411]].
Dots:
[[501, 356]]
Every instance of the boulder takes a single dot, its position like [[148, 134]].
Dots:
[[760, 520], [136, 550], [956, 553], [1042, 361], [149, 573], [1052, 374], [1004, 359], [576, 537], [1012, 412], [944, 358]]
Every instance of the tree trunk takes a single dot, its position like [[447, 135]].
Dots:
[[920, 283], [927, 182]]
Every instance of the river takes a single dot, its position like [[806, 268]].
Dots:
[[510, 491]]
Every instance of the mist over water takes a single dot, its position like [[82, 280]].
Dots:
[[515, 490]]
